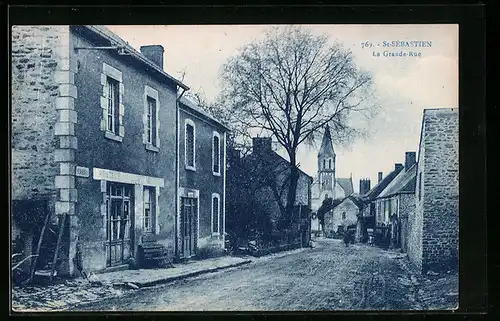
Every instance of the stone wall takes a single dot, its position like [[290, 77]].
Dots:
[[34, 92], [406, 209], [435, 225], [43, 119]]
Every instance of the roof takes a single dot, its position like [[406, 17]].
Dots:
[[253, 156], [404, 182], [191, 105], [355, 200], [107, 34], [335, 203], [346, 184], [377, 189], [326, 143]]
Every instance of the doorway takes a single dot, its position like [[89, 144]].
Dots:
[[189, 226], [119, 223]]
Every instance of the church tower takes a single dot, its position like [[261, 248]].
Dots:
[[326, 166]]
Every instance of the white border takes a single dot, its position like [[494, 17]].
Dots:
[[224, 194]]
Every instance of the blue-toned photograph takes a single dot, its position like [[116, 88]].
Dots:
[[234, 167]]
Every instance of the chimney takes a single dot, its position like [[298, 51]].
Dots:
[[410, 159], [364, 186], [262, 145], [398, 166], [379, 177], [154, 53]]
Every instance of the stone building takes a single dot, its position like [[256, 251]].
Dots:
[[370, 210], [95, 140], [202, 179], [398, 201], [343, 216], [326, 184], [433, 229]]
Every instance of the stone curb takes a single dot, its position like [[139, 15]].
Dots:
[[188, 274]]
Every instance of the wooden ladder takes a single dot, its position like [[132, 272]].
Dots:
[[39, 245], [62, 224]]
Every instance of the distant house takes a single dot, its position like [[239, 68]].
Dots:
[[371, 210], [202, 178], [433, 228], [399, 200], [342, 216], [261, 180]]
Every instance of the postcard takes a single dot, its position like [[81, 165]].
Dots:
[[234, 167]]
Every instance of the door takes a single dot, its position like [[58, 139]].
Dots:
[[119, 223], [189, 226]]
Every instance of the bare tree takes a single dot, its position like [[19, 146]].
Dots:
[[291, 84]]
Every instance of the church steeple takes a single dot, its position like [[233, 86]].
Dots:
[[326, 149], [326, 165]]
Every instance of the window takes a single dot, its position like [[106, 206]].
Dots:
[[151, 121], [387, 207], [149, 209], [113, 123], [190, 145], [330, 164], [379, 211], [343, 215], [420, 186], [111, 103], [216, 154], [324, 163], [215, 213]]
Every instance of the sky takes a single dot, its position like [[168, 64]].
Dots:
[[404, 86]]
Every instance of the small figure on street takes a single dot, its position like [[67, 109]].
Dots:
[[371, 240], [347, 237]]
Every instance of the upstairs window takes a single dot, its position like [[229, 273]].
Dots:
[[151, 121], [216, 154], [343, 215], [112, 124], [330, 164], [324, 163], [190, 145], [111, 102]]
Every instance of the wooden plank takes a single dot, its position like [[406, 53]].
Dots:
[[58, 244], [39, 245]]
